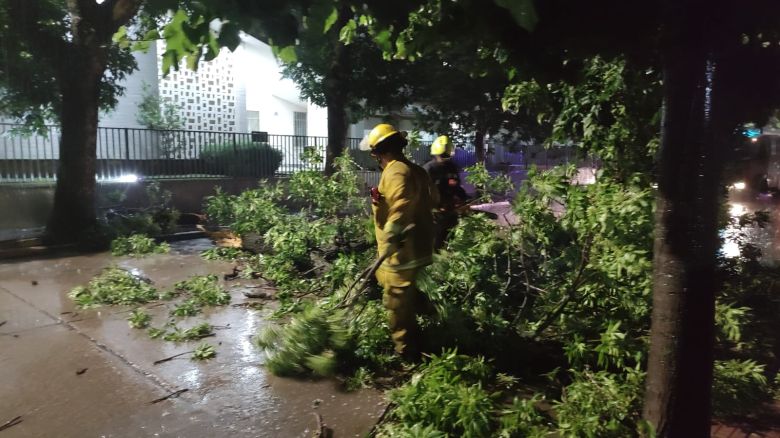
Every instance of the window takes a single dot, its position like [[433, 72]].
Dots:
[[299, 123], [253, 121]]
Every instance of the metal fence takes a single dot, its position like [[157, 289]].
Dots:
[[164, 154], [123, 152]]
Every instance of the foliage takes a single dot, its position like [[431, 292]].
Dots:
[[489, 187], [313, 64], [612, 112], [402, 430], [739, 387], [224, 253], [253, 211], [204, 352], [188, 307], [243, 159], [579, 276], [321, 339], [155, 113], [204, 290], [113, 286], [361, 379], [305, 344], [523, 419], [137, 245], [600, 405], [163, 116], [156, 218], [31, 68], [199, 331], [139, 319], [125, 225], [327, 195], [449, 394]]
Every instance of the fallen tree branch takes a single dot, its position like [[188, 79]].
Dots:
[[381, 420], [157, 362], [320, 431], [174, 394], [578, 279], [12, 422]]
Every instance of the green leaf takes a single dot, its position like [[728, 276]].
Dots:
[[382, 39], [287, 54], [153, 34], [192, 60], [170, 59], [120, 35], [523, 11], [330, 20], [348, 32]]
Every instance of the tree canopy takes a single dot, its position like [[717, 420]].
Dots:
[[36, 49]]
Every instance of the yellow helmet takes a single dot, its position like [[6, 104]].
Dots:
[[442, 145], [379, 133]]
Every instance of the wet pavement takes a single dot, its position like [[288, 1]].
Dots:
[[766, 238], [81, 373]]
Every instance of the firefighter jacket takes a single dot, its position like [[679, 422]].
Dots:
[[406, 196], [445, 176]]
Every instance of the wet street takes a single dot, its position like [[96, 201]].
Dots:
[[68, 372], [767, 239]]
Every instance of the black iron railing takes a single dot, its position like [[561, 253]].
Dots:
[[149, 153], [163, 154]]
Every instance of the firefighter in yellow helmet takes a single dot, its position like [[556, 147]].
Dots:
[[405, 196], [446, 177]]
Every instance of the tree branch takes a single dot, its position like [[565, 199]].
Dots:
[[584, 259], [25, 17], [122, 11]]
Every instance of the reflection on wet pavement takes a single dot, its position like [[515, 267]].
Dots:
[[767, 239], [46, 340]]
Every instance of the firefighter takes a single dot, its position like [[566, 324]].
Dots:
[[446, 177], [405, 196]]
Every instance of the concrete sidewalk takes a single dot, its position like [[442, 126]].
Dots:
[[82, 373]]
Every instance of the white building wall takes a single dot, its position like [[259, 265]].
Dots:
[[124, 114], [317, 120], [267, 92]]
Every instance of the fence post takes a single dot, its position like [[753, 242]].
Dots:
[[127, 144], [235, 147]]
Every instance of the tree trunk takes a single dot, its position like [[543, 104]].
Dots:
[[74, 197], [679, 376], [336, 93], [479, 145], [337, 128]]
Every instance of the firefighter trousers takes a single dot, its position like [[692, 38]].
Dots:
[[401, 299]]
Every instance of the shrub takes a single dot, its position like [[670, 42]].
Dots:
[[258, 160]]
